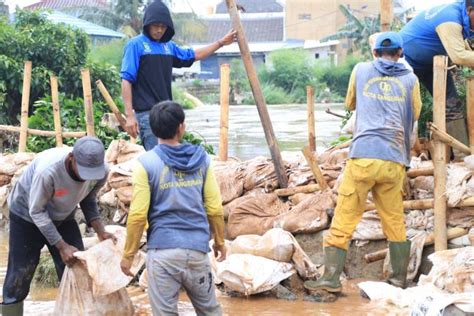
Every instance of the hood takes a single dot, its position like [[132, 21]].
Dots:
[[158, 12], [390, 68], [185, 157]]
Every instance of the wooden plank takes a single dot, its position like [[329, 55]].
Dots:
[[448, 139], [224, 128], [430, 239], [88, 105], [313, 163], [470, 112], [386, 15], [311, 120], [258, 95], [30, 131], [56, 111], [439, 160], [25, 102]]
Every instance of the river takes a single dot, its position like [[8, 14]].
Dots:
[[246, 135]]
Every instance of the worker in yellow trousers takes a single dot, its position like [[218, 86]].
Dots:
[[387, 97]]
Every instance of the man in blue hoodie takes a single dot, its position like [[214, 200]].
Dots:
[[442, 30], [176, 192], [387, 98], [147, 65]]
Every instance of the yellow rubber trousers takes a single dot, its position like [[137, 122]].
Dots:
[[385, 179]]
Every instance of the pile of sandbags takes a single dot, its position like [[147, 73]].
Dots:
[[11, 168]]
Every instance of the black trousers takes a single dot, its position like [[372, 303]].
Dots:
[[453, 103], [25, 244]]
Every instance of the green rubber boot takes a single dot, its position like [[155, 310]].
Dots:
[[334, 259], [399, 258], [458, 130], [15, 309]]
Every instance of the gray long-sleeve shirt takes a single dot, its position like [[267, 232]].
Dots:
[[46, 195]]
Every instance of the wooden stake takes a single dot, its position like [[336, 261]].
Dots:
[[430, 239], [313, 163], [38, 132], [88, 105], [470, 111], [25, 103], [311, 121], [439, 160], [448, 139], [309, 188], [386, 15], [56, 111], [223, 139], [258, 95], [113, 107]]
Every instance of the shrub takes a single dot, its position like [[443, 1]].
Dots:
[[110, 52], [336, 77]]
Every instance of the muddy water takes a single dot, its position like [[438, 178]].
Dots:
[[41, 301], [246, 135]]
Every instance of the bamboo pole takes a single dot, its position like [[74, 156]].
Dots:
[[313, 163], [224, 139], [448, 139], [413, 173], [30, 131], [311, 120], [258, 95], [409, 205], [439, 160], [113, 107], [25, 103], [56, 111], [88, 106], [430, 239], [310, 188], [470, 112], [386, 15]]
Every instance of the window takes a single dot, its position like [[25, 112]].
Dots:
[[316, 56], [304, 16]]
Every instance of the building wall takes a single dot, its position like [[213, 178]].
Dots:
[[315, 19]]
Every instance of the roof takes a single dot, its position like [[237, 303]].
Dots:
[[270, 29], [60, 4], [89, 28], [264, 47], [252, 6]]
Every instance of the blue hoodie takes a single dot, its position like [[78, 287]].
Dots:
[[177, 217]]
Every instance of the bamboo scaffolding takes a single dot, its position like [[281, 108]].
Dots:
[[413, 173], [386, 15], [470, 112], [430, 239], [224, 122], [25, 103], [88, 105], [440, 66], [448, 139], [258, 95], [313, 163], [311, 120], [56, 111], [30, 131]]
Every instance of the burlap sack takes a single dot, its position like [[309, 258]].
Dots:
[[9, 164], [230, 177]]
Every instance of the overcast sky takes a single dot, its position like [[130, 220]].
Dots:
[[419, 4]]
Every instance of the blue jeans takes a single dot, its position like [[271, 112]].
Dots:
[[146, 135]]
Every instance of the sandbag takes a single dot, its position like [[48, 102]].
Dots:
[[259, 172], [124, 194], [4, 191], [255, 215], [250, 274], [76, 296], [230, 177], [369, 228], [456, 187], [308, 216], [9, 164], [120, 151]]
